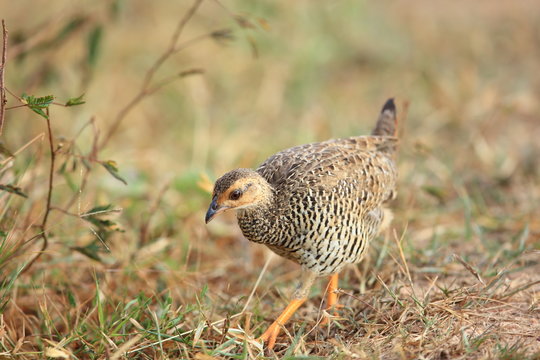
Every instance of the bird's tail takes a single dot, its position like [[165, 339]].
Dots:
[[387, 122]]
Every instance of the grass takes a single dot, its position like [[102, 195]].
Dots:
[[133, 272]]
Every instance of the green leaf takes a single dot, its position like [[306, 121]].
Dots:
[[100, 310], [100, 223], [97, 210], [111, 167], [93, 216], [70, 182], [222, 35], [75, 101], [62, 168], [69, 28], [94, 44], [91, 250], [37, 104], [435, 191], [13, 189], [71, 298]]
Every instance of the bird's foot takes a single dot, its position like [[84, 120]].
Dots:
[[273, 330], [270, 335]]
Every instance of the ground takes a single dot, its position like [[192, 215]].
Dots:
[[133, 272]]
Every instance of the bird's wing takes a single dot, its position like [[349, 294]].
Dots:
[[363, 164]]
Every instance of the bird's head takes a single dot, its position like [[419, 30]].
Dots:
[[238, 189]]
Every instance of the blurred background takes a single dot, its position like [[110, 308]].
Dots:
[[261, 76]]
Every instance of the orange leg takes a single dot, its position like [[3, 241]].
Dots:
[[331, 296], [273, 330], [299, 297]]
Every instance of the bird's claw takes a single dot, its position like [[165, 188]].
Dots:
[[270, 335]]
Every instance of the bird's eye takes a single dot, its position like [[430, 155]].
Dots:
[[235, 195]]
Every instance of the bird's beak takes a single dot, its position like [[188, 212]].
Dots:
[[213, 210]]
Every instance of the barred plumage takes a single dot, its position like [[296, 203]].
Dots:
[[319, 204]]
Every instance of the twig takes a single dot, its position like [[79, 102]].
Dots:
[[37, 36], [524, 287], [3, 99], [469, 267], [12, 156], [16, 107], [48, 207], [399, 242], [85, 215], [145, 90], [92, 156]]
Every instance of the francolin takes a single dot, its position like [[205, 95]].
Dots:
[[318, 205]]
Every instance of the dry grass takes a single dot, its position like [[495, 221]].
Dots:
[[458, 277]]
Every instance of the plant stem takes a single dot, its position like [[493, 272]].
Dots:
[[3, 99], [48, 206]]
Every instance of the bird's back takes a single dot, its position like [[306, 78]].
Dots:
[[328, 198]]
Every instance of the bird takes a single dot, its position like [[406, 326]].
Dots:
[[318, 204]]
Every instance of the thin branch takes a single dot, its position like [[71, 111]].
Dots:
[[3, 99], [26, 105], [91, 156], [48, 207], [16, 106], [170, 79], [144, 90], [40, 34], [15, 96], [22, 148]]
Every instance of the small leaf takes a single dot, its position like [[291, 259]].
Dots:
[[13, 189], [94, 44], [39, 112], [191, 72], [244, 22], [70, 182], [62, 168], [76, 101], [223, 35], [71, 298], [90, 251], [435, 191], [40, 102], [101, 223], [37, 104], [68, 29], [110, 166], [97, 210]]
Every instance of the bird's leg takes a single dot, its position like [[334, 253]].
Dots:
[[331, 292], [299, 297], [331, 299]]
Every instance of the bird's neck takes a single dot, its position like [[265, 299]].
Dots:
[[258, 222]]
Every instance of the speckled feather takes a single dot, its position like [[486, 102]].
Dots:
[[327, 198]]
